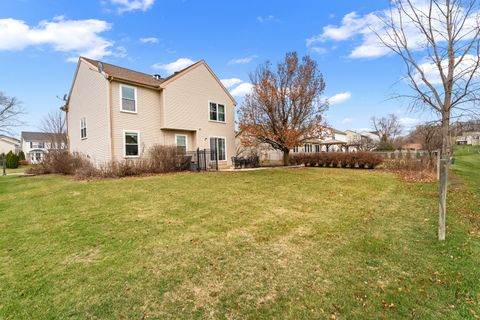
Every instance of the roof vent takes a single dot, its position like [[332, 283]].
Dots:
[[100, 67], [157, 77]]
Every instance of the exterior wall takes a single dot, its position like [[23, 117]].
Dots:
[[89, 98], [7, 145], [147, 120], [187, 107]]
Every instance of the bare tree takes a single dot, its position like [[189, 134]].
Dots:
[[438, 41], [388, 128], [284, 108], [54, 124], [429, 136], [10, 112]]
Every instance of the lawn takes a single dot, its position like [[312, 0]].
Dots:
[[282, 243]]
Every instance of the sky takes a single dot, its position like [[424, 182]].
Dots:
[[40, 42]]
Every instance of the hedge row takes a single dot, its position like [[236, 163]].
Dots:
[[362, 160]]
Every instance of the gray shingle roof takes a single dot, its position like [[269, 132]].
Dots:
[[41, 136]]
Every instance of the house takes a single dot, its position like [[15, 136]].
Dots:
[[373, 135], [413, 146], [361, 142], [8, 144], [332, 140], [35, 145], [115, 113], [471, 138]]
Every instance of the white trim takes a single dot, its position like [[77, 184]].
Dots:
[[134, 93], [186, 139], [217, 137], [224, 112], [124, 143]]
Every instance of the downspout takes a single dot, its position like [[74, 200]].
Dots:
[[110, 116]]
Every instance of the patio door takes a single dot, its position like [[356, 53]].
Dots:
[[217, 146]]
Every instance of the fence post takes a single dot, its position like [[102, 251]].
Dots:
[[216, 158], [4, 166], [198, 159], [205, 158], [442, 187]]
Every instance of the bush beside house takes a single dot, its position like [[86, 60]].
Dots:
[[159, 159]]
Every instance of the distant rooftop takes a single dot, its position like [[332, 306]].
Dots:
[[41, 136]]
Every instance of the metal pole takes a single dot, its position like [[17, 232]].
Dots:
[[205, 158], [4, 165], [216, 158], [198, 159]]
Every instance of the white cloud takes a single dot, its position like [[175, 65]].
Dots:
[[347, 120], [319, 50], [339, 98], [432, 74], [243, 60], [409, 123], [242, 90], [174, 66], [228, 83], [132, 5], [368, 27], [75, 37], [149, 40], [269, 18]]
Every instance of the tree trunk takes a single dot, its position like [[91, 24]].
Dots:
[[443, 174], [286, 157]]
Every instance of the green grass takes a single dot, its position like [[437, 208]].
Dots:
[[467, 165], [20, 169], [281, 243]]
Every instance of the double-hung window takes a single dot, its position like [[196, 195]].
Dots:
[[317, 148], [181, 142], [129, 98], [83, 128], [217, 147], [217, 112], [132, 143], [308, 147], [295, 149]]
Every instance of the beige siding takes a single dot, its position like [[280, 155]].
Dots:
[[147, 120], [89, 98], [6, 145], [187, 107]]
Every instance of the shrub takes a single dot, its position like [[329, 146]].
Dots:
[[165, 158], [11, 160], [61, 162], [361, 160], [21, 156], [24, 162]]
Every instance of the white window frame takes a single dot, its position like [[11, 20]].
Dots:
[[83, 121], [121, 98], [186, 140], [124, 146], [224, 113], [218, 137]]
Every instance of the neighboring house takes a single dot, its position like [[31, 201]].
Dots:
[[372, 135], [8, 144], [332, 140], [36, 144], [115, 113], [412, 146], [471, 138]]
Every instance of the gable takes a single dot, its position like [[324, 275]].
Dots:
[[203, 66]]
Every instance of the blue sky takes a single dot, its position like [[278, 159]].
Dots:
[[40, 40]]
